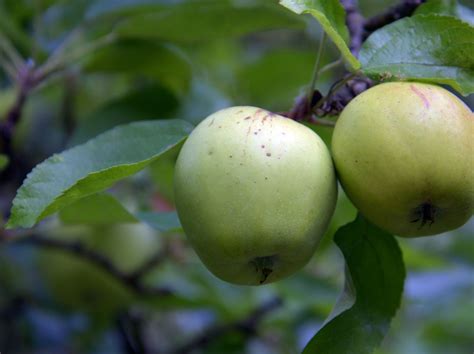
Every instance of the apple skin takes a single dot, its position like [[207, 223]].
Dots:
[[255, 192], [404, 155], [78, 285]]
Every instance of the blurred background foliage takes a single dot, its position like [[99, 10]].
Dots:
[[184, 59]]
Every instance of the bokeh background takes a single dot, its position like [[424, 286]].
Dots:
[[165, 66]]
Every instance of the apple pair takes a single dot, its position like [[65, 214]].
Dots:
[[255, 191]]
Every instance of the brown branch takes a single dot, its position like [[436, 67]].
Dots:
[[150, 264], [359, 30], [27, 80], [130, 328], [131, 280], [301, 110], [15, 172], [404, 9], [355, 25], [247, 326], [29, 77], [11, 120], [7, 126], [10, 333]]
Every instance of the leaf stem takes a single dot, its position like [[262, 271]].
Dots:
[[330, 66], [316, 71]]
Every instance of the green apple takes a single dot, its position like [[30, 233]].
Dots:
[[255, 192], [77, 284], [405, 156]]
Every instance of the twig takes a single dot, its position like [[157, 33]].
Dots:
[[26, 82], [8, 67], [151, 263], [59, 53], [334, 88], [303, 107], [247, 326], [59, 61], [29, 77], [359, 30], [80, 250], [10, 52], [130, 328], [404, 9], [7, 127], [70, 38]]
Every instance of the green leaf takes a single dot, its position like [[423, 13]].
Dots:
[[102, 8], [58, 18], [162, 221], [289, 70], [144, 103], [202, 100], [427, 48], [442, 7], [92, 167], [162, 174], [21, 40], [104, 209], [446, 7], [148, 58], [97, 209], [374, 262], [207, 20], [4, 160], [332, 17], [147, 102]]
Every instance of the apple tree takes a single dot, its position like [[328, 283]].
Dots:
[[228, 176]]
